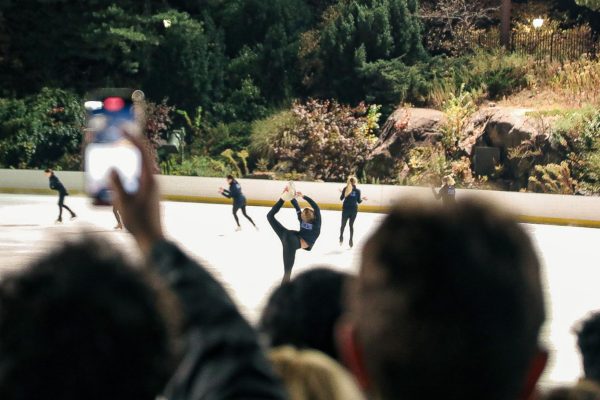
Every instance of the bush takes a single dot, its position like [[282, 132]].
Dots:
[[201, 166], [39, 130], [264, 131], [552, 178], [391, 83], [329, 140]]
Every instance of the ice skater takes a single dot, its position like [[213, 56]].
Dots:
[[239, 200], [56, 184], [305, 238], [447, 192], [352, 198]]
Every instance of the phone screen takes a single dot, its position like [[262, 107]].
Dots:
[[107, 149]]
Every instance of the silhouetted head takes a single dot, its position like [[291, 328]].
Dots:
[[588, 341], [230, 179], [448, 304], [48, 172], [304, 311], [82, 323]]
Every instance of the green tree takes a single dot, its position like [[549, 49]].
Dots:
[[363, 31], [187, 64], [39, 130]]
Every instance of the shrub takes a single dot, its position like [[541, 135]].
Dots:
[[329, 140], [201, 166], [458, 109], [552, 178], [265, 130]]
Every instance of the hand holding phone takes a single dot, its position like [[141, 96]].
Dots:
[[111, 114]]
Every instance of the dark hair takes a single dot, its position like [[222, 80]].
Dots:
[[448, 304], [588, 341], [303, 312], [48, 171], [81, 323], [230, 177]]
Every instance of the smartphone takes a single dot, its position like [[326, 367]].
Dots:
[[109, 114]]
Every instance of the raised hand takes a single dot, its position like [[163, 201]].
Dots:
[[140, 210]]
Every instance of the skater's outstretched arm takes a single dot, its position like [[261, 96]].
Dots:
[[222, 357]]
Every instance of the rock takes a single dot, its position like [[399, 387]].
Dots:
[[407, 128], [502, 127], [404, 129]]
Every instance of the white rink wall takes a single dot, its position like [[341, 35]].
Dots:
[[530, 207]]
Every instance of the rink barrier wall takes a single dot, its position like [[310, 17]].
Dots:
[[528, 207]]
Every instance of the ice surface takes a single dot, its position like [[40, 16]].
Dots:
[[249, 262]]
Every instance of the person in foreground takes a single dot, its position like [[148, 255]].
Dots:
[[56, 184], [312, 375], [588, 341], [448, 304], [305, 238], [303, 312], [82, 324]]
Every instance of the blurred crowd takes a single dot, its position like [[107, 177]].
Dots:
[[447, 303]]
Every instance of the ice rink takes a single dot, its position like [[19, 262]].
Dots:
[[249, 262]]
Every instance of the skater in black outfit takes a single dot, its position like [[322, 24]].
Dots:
[[55, 184], [239, 200], [352, 198], [305, 238], [447, 192]]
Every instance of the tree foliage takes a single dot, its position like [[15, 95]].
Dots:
[[39, 130], [592, 4], [364, 31]]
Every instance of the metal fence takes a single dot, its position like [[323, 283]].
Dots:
[[546, 45]]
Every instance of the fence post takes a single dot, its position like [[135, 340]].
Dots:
[[551, 46]]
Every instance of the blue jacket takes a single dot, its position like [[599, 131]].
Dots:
[[352, 200], [235, 193]]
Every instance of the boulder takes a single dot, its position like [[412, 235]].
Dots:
[[407, 128], [404, 129]]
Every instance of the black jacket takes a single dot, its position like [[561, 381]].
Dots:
[[222, 357], [352, 200], [56, 184], [309, 231], [235, 193]]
